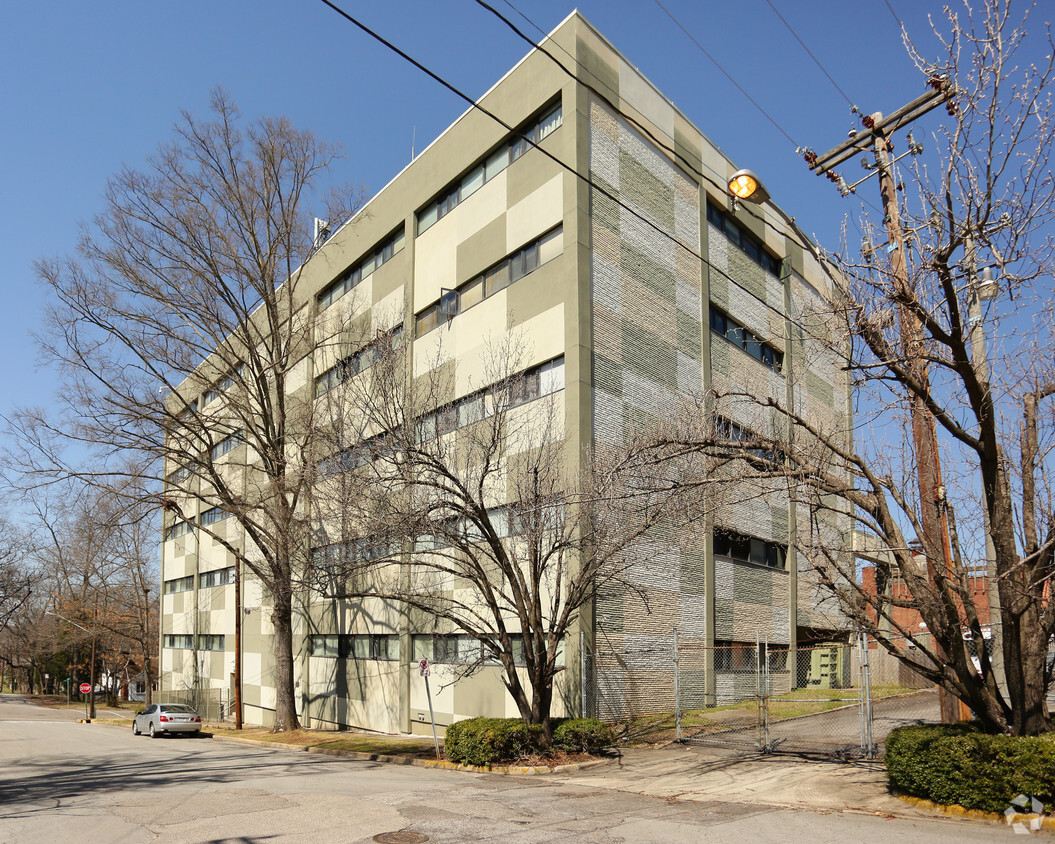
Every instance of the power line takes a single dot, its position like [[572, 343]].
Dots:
[[672, 151], [809, 52], [727, 75], [891, 8], [631, 119], [570, 169], [659, 142]]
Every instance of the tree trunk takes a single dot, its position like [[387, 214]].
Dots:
[[285, 700], [148, 686]]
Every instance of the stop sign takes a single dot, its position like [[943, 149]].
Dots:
[[85, 688]]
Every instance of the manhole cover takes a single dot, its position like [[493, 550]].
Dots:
[[400, 837]]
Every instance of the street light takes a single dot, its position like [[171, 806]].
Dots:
[[745, 185], [983, 288]]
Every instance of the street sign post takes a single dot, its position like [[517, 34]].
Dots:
[[426, 669], [85, 689]]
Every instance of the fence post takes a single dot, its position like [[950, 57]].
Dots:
[[767, 690], [677, 691], [866, 693]]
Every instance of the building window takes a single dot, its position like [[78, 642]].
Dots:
[[180, 641], [328, 646], [178, 529], [748, 549], [179, 584], [747, 242], [219, 577], [179, 475], [726, 429], [225, 445], [485, 170], [223, 385], [457, 648], [350, 278], [741, 337], [501, 275], [354, 457], [364, 646], [212, 516], [531, 384], [210, 642], [355, 646], [355, 363]]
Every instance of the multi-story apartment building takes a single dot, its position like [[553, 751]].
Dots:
[[615, 252]]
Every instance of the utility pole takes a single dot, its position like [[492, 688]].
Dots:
[[876, 135], [147, 690], [237, 643], [91, 667]]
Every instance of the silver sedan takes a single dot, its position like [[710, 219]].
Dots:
[[161, 718]]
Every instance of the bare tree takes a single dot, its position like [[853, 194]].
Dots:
[[915, 344], [179, 328], [474, 515], [16, 577]]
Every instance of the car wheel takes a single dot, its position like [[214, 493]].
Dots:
[[153, 732], [135, 728]]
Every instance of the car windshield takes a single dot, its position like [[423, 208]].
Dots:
[[176, 707]]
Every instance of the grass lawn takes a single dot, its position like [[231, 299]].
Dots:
[[361, 742]]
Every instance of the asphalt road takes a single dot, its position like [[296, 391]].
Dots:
[[61, 781]]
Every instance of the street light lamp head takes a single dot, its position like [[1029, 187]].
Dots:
[[745, 185], [988, 286]]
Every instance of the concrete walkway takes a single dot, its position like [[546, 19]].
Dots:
[[692, 772], [699, 773]]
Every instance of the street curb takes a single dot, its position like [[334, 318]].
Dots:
[[395, 759], [956, 811]]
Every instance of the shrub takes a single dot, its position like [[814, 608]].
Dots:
[[582, 735], [485, 741], [959, 764]]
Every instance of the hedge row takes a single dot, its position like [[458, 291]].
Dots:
[[957, 764], [485, 741]]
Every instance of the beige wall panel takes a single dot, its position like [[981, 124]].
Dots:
[[637, 92], [434, 349], [486, 205], [541, 420], [476, 335], [370, 615], [435, 260], [535, 214], [481, 250], [544, 334], [298, 376], [389, 311], [252, 667], [252, 593]]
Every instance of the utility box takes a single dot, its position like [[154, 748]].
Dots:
[[827, 667]]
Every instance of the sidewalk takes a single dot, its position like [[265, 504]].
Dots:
[[694, 772], [708, 773]]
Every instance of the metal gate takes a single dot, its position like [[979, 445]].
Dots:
[[774, 699]]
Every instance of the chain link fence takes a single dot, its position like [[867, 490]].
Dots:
[[754, 696], [213, 705]]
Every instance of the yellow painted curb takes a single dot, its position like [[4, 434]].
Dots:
[[956, 811]]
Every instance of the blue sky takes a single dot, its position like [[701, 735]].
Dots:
[[85, 88]]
